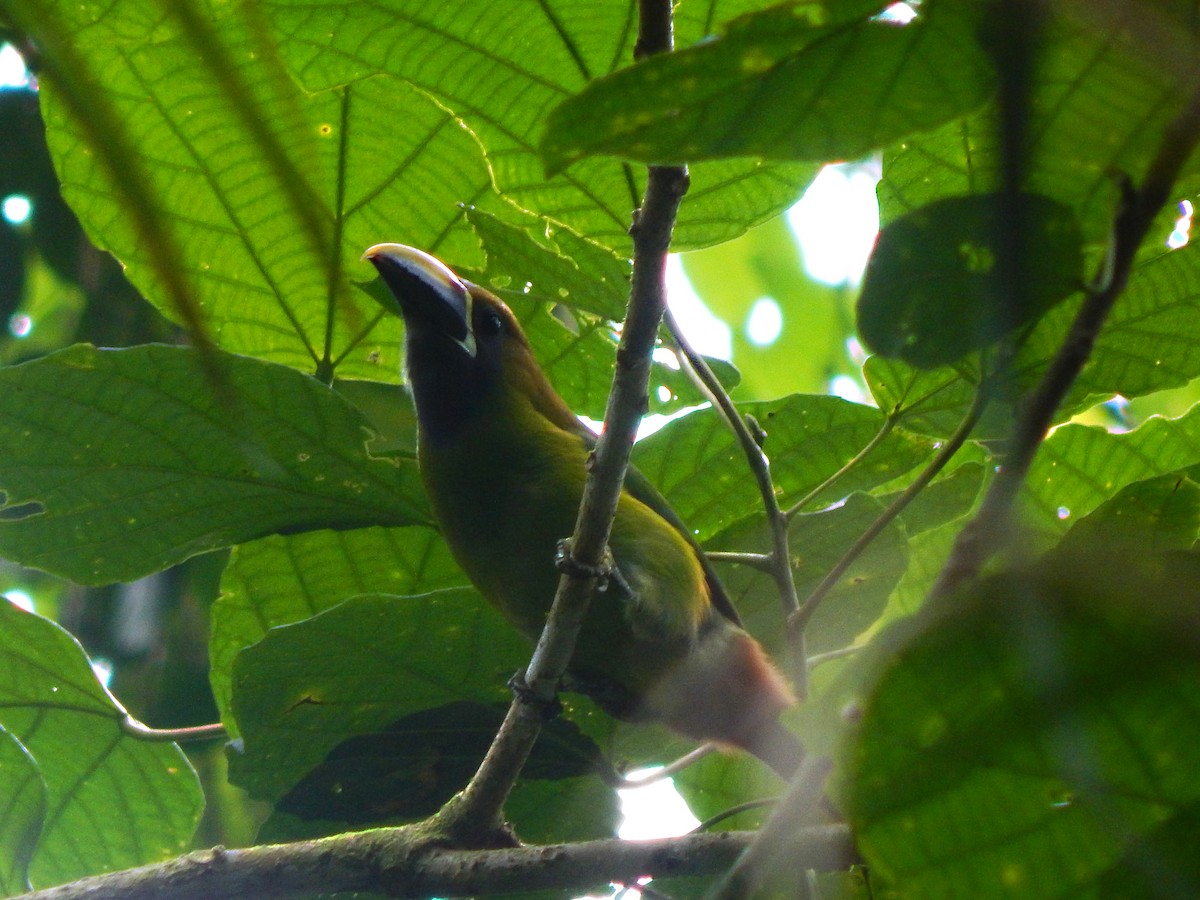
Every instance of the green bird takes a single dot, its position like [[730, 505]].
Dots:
[[503, 460]]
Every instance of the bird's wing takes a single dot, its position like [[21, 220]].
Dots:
[[640, 487]]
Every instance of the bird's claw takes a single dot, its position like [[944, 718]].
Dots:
[[550, 709], [604, 573]]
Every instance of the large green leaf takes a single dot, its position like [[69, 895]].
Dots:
[[1079, 467], [1040, 738], [409, 769], [270, 194], [1162, 513], [278, 580], [1079, 138], [943, 281], [501, 66], [358, 667], [118, 463], [1149, 339], [780, 84], [818, 541], [112, 802], [564, 268]]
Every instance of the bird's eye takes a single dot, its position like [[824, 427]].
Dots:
[[490, 324]]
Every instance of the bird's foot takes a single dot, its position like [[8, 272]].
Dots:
[[550, 709], [605, 573]]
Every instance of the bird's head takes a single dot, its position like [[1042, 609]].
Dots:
[[465, 351]]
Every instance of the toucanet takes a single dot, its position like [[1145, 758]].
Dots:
[[503, 460]]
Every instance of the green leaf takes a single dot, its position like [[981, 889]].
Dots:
[[929, 401], [1148, 341], [500, 68], [937, 287], [23, 799], [564, 269], [1039, 737], [942, 500], [573, 809], [1162, 513], [407, 770], [112, 802], [270, 194], [1078, 138], [354, 669], [695, 462], [118, 463], [1080, 467], [779, 85], [279, 580]]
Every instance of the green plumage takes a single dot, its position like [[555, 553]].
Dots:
[[504, 463]]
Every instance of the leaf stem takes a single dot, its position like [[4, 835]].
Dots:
[[885, 429], [143, 732], [952, 445]]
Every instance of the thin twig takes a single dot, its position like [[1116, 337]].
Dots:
[[143, 732], [731, 812], [818, 658], [764, 562], [952, 445], [479, 806], [760, 465], [885, 429], [663, 773], [990, 530]]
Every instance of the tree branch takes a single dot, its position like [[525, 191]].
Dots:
[[400, 862], [780, 558], [991, 528], [586, 553]]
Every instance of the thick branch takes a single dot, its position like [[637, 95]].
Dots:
[[480, 803], [398, 862]]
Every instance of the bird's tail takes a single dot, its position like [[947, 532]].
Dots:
[[777, 747], [728, 691]]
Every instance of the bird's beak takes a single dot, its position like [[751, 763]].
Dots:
[[426, 290]]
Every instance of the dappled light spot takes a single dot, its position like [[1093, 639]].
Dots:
[[13, 73], [848, 388], [897, 14], [19, 599], [765, 322], [16, 209], [653, 811], [103, 669], [836, 221], [1183, 225]]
